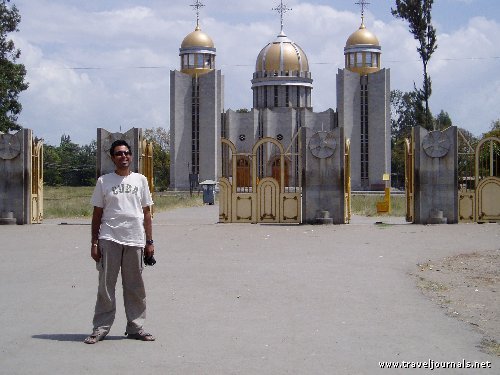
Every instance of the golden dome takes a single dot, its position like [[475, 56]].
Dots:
[[282, 55], [362, 37], [197, 38]]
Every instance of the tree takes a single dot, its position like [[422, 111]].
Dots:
[[69, 164], [11, 74], [494, 130], [418, 15], [407, 111], [51, 162], [442, 121]]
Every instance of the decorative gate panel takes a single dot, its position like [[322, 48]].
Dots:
[[488, 200], [268, 203], [36, 181], [409, 178], [243, 208], [250, 188], [487, 165], [147, 163], [225, 200], [466, 180], [479, 180], [347, 181], [466, 206]]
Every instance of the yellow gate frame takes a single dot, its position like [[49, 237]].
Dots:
[[347, 181], [36, 182], [266, 200], [487, 192], [409, 178]]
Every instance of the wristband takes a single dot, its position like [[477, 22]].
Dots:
[[149, 242]]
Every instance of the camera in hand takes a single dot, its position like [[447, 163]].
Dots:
[[149, 260]]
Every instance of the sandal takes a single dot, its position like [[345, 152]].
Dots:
[[95, 337], [141, 335]]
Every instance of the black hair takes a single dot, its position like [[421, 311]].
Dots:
[[119, 142]]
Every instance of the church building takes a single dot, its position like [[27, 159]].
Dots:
[[282, 104]]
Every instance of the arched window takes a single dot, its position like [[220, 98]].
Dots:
[[243, 172], [276, 171]]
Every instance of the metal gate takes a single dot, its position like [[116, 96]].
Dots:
[[347, 181], [466, 180], [146, 163], [479, 180], [263, 186], [36, 181], [409, 178], [488, 180]]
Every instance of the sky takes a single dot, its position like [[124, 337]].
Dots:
[[106, 63]]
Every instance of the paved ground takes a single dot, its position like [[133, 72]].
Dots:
[[239, 299]]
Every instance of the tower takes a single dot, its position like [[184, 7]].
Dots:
[[363, 104], [282, 77], [196, 104]]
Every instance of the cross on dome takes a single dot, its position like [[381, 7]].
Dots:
[[282, 9], [197, 6], [363, 4]]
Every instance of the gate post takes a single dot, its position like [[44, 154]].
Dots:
[[436, 190], [104, 140], [324, 187], [18, 185]]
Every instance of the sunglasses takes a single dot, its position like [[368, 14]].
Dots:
[[122, 153]]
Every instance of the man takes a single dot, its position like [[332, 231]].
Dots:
[[121, 231]]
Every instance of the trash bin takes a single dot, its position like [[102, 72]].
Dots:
[[208, 187]]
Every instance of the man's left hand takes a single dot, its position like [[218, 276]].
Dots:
[[149, 250]]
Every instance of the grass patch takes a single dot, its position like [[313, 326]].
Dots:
[[366, 205], [165, 202], [68, 201]]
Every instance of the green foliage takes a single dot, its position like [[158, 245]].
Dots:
[[11, 74], [161, 156], [494, 130], [418, 15], [407, 111], [70, 164], [442, 121], [243, 110]]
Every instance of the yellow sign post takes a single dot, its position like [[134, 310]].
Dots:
[[385, 205]]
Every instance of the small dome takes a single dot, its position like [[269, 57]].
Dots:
[[197, 38], [282, 55], [362, 37]]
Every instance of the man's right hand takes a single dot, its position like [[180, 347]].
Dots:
[[95, 253]]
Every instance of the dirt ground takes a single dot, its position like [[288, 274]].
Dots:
[[467, 286]]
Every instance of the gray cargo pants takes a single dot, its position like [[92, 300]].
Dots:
[[130, 259]]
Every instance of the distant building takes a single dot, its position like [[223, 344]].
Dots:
[[282, 89], [363, 105]]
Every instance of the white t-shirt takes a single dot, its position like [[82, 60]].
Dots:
[[123, 199]]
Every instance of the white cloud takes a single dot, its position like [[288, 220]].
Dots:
[[58, 35]]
